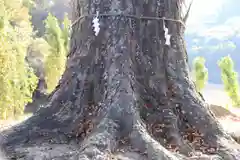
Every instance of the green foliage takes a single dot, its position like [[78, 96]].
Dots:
[[200, 73], [28, 3], [38, 50], [66, 32], [230, 79], [58, 40], [17, 80]]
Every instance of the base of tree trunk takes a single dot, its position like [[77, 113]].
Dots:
[[120, 133]]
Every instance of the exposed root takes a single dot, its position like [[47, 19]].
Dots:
[[85, 124], [145, 144], [100, 144], [229, 149], [164, 127]]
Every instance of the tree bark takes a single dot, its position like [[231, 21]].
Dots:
[[124, 94]]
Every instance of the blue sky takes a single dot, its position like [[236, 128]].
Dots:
[[205, 16], [204, 11]]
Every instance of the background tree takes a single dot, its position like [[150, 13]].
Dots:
[[37, 52], [230, 79], [40, 11], [42, 57], [29, 4], [58, 40], [200, 73], [125, 92], [17, 79]]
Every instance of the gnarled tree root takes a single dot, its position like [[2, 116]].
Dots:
[[103, 144]]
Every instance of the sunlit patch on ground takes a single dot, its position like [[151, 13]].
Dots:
[[214, 94], [4, 124], [231, 124]]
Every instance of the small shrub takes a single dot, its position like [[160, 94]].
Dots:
[[230, 79], [200, 73], [58, 40]]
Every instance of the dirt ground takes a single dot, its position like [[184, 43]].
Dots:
[[214, 94], [4, 124]]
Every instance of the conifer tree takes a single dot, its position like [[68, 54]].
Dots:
[[17, 79], [230, 79], [58, 40], [200, 73]]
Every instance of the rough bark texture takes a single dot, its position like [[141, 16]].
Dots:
[[124, 94]]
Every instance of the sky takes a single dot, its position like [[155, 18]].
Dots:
[[204, 11], [205, 15]]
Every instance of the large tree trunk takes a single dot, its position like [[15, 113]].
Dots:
[[124, 94]]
